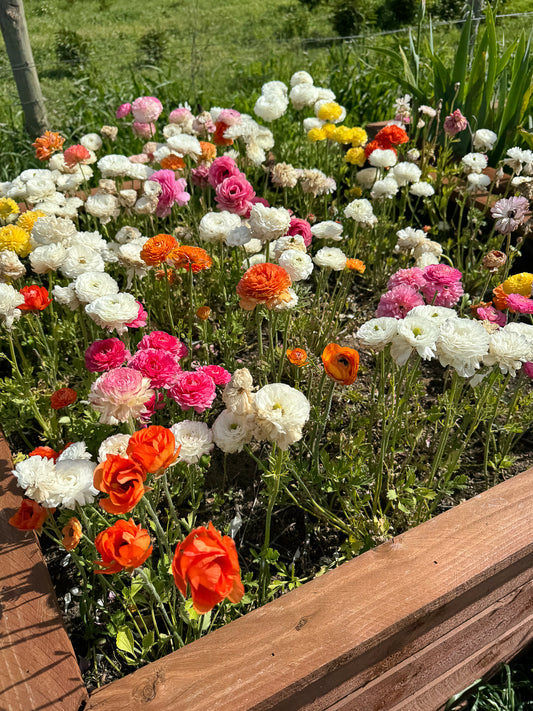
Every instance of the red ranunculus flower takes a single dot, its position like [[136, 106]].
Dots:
[[35, 298]]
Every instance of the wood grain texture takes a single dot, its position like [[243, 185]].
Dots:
[[39, 668], [403, 626]]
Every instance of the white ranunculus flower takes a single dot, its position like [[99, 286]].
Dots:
[[361, 211], [195, 439], [268, 223], [16, 189], [185, 145], [425, 246], [113, 311], [274, 87], [127, 234], [484, 139], [52, 230], [115, 444], [66, 296], [377, 333], [248, 262], [75, 450], [325, 94], [330, 257], [508, 350], [287, 242], [255, 153], [477, 182], [79, 259], [91, 285], [129, 255], [436, 314], [70, 181], [270, 107], [522, 329], [280, 414], [10, 266], [474, 162], [303, 95], [35, 174], [253, 246], [301, 77], [296, 263], [74, 483], [386, 188], [10, 298], [91, 141], [238, 395], [127, 198], [367, 177], [47, 258], [39, 189], [263, 137], [409, 239], [94, 240], [383, 158], [37, 476], [328, 230], [231, 432], [104, 206], [462, 344], [406, 172], [416, 333], [216, 226], [422, 189], [426, 259], [114, 166], [312, 122], [240, 237]]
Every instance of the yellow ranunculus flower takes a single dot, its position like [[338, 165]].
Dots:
[[329, 129], [331, 111], [15, 239], [8, 207], [316, 134], [28, 219], [519, 284], [359, 137], [342, 134], [355, 156]]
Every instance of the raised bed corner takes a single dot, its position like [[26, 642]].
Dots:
[[400, 628]]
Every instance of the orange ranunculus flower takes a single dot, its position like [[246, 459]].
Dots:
[[297, 357], [203, 313], [153, 448], [208, 563], [341, 364], [169, 275], [47, 144], [209, 152], [263, 283], [156, 249], [71, 534], [123, 479], [356, 264], [123, 546], [172, 162], [499, 298], [190, 258], [46, 452], [218, 136], [63, 398], [30, 516], [395, 135], [35, 298]]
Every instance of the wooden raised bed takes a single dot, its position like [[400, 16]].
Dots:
[[402, 627]]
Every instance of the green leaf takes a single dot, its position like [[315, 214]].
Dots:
[[148, 642], [125, 641], [461, 60]]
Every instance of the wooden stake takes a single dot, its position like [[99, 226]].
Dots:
[[16, 38]]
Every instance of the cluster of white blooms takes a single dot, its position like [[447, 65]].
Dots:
[[415, 243], [484, 139], [66, 482], [361, 211], [268, 223], [10, 266], [10, 298], [47, 189], [195, 440], [519, 160], [273, 102]]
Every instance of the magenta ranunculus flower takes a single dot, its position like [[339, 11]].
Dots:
[[442, 274], [120, 394], [219, 374], [106, 354], [302, 228], [235, 194], [455, 123], [194, 389], [200, 176], [528, 369], [160, 366], [146, 109], [123, 110], [143, 130], [180, 115], [141, 320], [443, 285], [172, 191], [156, 402], [397, 302], [261, 201], [518, 304], [221, 168], [489, 313], [413, 277], [164, 342]]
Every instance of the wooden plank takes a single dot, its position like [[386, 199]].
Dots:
[[39, 668], [444, 599]]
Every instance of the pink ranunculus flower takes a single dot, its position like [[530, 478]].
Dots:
[[120, 394], [143, 130], [235, 194], [172, 191], [123, 110], [160, 366], [76, 154], [442, 274], [141, 320], [200, 176], [443, 285], [528, 369], [262, 201], [518, 304], [413, 277], [181, 115], [230, 117], [164, 342], [156, 402], [455, 123], [397, 302], [302, 228], [146, 109], [106, 354], [489, 313], [219, 374], [139, 158], [221, 168], [194, 389]]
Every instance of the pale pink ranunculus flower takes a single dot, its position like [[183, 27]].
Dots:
[[172, 191], [194, 389], [200, 176], [123, 110], [235, 195], [230, 117], [455, 123], [489, 313], [146, 109], [105, 354], [165, 342], [219, 374], [181, 115], [119, 394], [139, 158], [160, 366], [413, 277], [221, 168], [397, 302], [143, 130]]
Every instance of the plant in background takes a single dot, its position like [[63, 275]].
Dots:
[[72, 50]]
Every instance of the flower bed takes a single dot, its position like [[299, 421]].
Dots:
[[162, 394]]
